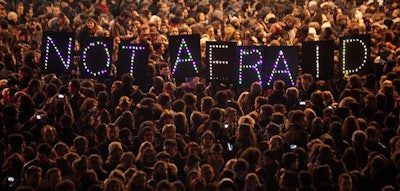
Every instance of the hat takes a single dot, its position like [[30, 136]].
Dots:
[[324, 4], [312, 31], [326, 25], [81, 164], [216, 148], [269, 16], [312, 5], [234, 19], [113, 146]]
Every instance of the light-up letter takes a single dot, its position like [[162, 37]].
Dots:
[[216, 62], [317, 60], [344, 49], [84, 58], [254, 66], [275, 70], [183, 46], [134, 49], [65, 61]]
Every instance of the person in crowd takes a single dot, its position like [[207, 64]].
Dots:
[[95, 163], [53, 177], [33, 178], [41, 161], [76, 98], [345, 137], [296, 134], [307, 86], [112, 134]]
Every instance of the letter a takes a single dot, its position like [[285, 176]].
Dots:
[[275, 70], [184, 46]]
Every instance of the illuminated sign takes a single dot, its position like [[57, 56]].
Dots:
[[282, 63], [251, 65], [354, 54], [221, 61], [57, 52], [184, 51], [92, 66], [133, 59], [317, 59], [224, 61]]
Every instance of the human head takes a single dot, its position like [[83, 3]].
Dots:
[[169, 131], [164, 69], [306, 81], [171, 147], [43, 153], [53, 176], [112, 131], [33, 176], [74, 86], [345, 182]]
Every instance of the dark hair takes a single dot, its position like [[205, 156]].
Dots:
[[75, 83], [127, 79], [164, 185], [65, 185], [44, 148]]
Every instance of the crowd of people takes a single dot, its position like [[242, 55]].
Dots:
[[64, 133]]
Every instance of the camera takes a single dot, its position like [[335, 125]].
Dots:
[[226, 125], [293, 146], [302, 103], [61, 96], [38, 116], [11, 179], [230, 147]]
